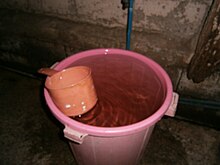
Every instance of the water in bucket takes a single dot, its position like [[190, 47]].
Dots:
[[128, 91]]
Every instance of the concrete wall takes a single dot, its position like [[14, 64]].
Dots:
[[50, 30]]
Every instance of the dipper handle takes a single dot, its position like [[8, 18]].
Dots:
[[47, 71]]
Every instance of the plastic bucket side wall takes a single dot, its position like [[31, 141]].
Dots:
[[119, 150]]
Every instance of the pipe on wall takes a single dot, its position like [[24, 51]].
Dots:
[[129, 25], [129, 5]]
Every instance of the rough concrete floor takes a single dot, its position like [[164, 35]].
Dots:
[[30, 135]]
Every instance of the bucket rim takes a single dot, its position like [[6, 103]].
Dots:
[[112, 131]]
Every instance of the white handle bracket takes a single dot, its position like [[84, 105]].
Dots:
[[172, 109], [74, 135]]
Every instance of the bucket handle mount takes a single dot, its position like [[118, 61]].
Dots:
[[173, 106], [74, 135]]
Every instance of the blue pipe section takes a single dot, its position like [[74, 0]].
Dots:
[[129, 25]]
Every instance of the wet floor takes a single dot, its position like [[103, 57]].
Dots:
[[30, 134]]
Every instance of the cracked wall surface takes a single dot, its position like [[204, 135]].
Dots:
[[166, 31]]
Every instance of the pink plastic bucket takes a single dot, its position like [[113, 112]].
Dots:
[[123, 145]]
